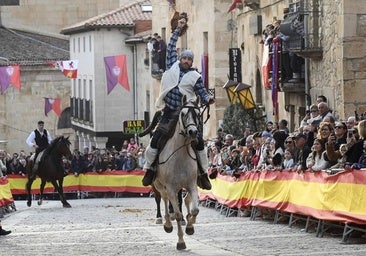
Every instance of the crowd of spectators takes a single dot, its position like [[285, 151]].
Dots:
[[319, 143], [130, 157]]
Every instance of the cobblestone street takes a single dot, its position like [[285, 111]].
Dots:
[[126, 226]]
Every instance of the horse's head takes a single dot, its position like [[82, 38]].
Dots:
[[190, 117], [63, 146]]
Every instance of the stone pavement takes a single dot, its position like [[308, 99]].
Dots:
[[126, 226]]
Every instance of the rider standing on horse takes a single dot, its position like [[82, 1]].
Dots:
[[180, 77], [39, 139]]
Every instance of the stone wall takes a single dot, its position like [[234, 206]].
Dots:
[[23, 109]]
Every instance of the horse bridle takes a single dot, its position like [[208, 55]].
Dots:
[[196, 117], [197, 123]]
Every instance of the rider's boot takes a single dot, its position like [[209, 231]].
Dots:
[[150, 156], [4, 232], [202, 179]]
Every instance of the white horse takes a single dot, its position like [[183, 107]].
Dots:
[[177, 169]]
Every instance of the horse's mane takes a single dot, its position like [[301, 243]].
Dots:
[[54, 142]]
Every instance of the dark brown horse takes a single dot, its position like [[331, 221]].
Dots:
[[50, 169]]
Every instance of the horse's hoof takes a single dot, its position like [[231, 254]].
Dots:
[[159, 221], [39, 202], [29, 204], [181, 246], [189, 230], [67, 205], [168, 229], [183, 222]]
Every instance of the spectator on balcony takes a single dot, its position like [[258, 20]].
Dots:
[[161, 54], [286, 70], [3, 168]]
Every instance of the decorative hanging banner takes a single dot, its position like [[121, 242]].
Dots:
[[204, 68], [52, 104], [68, 67], [9, 75], [116, 72], [233, 5], [274, 81]]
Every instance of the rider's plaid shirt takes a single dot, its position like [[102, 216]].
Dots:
[[173, 98]]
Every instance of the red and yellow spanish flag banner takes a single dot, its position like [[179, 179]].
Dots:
[[338, 197], [6, 197], [108, 181], [18, 182], [114, 181]]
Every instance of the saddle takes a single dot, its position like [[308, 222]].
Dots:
[[167, 130]]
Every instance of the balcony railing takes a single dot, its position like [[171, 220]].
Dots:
[[303, 26]]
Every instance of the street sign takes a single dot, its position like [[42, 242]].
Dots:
[[133, 126]]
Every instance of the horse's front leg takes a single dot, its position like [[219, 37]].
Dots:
[[191, 201], [28, 186], [173, 198], [59, 189], [41, 189], [168, 227]]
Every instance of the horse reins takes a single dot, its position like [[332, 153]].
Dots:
[[190, 110]]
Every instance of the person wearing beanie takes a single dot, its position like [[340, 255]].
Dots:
[[179, 79]]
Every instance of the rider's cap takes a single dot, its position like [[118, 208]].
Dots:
[[187, 54]]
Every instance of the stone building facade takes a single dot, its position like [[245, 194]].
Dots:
[[335, 64], [43, 21]]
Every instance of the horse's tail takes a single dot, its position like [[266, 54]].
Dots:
[[153, 124]]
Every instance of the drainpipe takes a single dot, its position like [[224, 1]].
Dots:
[[135, 105], [306, 45]]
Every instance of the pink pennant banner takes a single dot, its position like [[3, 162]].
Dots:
[[9, 75]]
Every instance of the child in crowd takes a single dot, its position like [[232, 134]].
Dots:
[[288, 161], [342, 160]]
